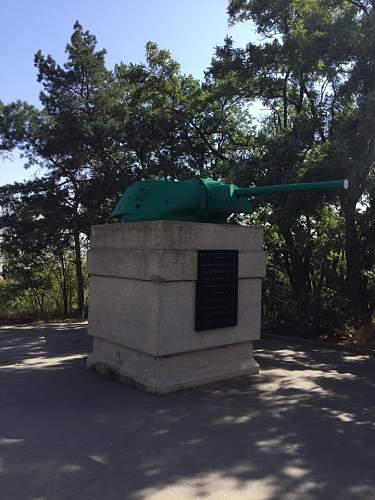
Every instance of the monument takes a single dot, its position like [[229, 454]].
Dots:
[[175, 294]]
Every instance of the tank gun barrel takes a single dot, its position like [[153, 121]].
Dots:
[[286, 188]]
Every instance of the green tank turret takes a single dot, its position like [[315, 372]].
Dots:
[[200, 200]]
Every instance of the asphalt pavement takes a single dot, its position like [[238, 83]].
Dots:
[[302, 429]]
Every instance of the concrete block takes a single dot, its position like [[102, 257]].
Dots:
[[163, 374], [163, 265], [142, 303], [171, 235], [158, 317]]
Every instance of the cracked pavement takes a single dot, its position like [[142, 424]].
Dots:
[[304, 428]]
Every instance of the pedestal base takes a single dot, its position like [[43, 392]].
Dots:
[[148, 314], [163, 374]]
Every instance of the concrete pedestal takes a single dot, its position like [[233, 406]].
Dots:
[[142, 304]]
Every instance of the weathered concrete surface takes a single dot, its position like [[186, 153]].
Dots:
[[302, 429], [163, 374], [173, 235], [164, 265], [142, 303], [158, 318]]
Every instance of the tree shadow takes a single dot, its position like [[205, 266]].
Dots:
[[27, 342], [304, 428]]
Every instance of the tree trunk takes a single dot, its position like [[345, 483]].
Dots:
[[79, 275], [40, 302], [299, 277], [356, 289], [64, 287]]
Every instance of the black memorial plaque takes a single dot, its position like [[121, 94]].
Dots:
[[216, 293]]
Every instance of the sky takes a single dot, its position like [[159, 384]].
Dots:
[[190, 29]]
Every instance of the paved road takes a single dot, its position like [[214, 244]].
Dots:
[[304, 428]]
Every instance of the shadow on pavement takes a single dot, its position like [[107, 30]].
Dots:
[[26, 342], [304, 428]]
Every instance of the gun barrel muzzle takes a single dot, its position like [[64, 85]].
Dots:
[[286, 188]]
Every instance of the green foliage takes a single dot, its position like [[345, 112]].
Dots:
[[44, 289], [36, 247], [314, 70], [98, 130]]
